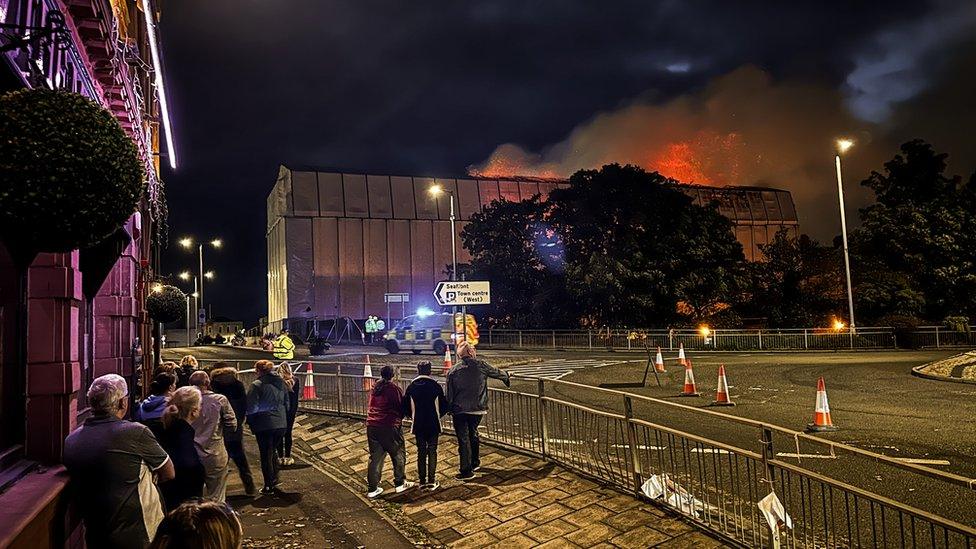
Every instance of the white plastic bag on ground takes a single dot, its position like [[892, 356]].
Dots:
[[775, 514], [663, 486]]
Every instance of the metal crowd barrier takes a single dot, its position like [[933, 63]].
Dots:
[[792, 339], [622, 439]]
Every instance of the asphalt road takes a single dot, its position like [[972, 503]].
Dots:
[[874, 400]]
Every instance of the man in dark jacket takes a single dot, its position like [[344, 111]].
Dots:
[[424, 402], [467, 395], [224, 381], [384, 435], [150, 411], [267, 409]]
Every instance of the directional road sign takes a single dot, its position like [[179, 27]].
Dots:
[[463, 292]]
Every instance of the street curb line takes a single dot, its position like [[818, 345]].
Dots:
[[917, 372]]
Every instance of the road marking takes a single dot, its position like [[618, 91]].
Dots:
[[639, 447], [805, 456], [921, 461], [709, 451], [558, 368]]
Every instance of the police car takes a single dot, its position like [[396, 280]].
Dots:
[[428, 331]]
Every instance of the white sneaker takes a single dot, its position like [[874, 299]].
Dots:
[[433, 486], [375, 493], [288, 461], [405, 486]]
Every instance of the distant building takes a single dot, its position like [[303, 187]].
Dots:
[[222, 326], [337, 242]]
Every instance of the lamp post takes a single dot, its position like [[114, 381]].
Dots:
[[185, 275], [436, 190], [187, 243], [842, 146]]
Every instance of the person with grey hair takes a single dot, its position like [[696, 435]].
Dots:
[[467, 396], [111, 463], [216, 415]]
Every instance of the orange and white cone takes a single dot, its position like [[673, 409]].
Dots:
[[368, 381], [722, 392], [681, 355], [821, 415], [447, 361], [659, 362], [308, 392], [690, 389]]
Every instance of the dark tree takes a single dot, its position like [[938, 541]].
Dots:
[[916, 247]]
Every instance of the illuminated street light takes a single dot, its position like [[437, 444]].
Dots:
[[436, 190], [156, 288], [209, 275], [217, 243], [839, 324], [705, 331], [186, 242], [185, 275], [842, 146]]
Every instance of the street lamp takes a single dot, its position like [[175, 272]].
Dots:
[[187, 275], [187, 242], [436, 190], [842, 146]]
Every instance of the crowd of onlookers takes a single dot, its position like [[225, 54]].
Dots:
[[183, 436]]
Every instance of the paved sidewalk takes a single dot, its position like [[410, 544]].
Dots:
[[314, 511], [516, 501]]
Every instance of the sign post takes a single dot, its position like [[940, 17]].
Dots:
[[463, 292], [402, 299]]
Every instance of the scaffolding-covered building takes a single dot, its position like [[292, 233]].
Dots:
[[337, 242]]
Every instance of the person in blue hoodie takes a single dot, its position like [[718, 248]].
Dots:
[[150, 411], [425, 404]]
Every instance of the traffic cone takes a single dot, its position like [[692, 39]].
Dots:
[[821, 415], [722, 392], [659, 363], [681, 355], [308, 392], [368, 381], [447, 361], [690, 389]]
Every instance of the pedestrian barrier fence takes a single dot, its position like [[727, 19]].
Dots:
[[818, 493]]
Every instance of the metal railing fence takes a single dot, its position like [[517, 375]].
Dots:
[[787, 339], [716, 484]]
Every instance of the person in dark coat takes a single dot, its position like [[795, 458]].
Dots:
[[188, 365], [467, 394], [425, 404], [224, 381], [267, 414], [150, 411], [177, 439], [294, 385], [384, 434]]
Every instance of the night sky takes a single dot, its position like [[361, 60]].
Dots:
[[748, 93]]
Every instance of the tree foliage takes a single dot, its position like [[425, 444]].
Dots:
[[166, 304], [71, 176], [915, 252]]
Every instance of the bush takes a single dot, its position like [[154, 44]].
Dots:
[[71, 176], [166, 304]]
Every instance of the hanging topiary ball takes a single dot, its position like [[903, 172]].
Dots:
[[69, 174], [166, 304]]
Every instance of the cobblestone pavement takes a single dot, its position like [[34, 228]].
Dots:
[[515, 501]]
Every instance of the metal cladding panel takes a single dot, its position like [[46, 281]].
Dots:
[[773, 213], [398, 255], [298, 237], [528, 189], [354, 195], [509, 190], [743, 233], [380, 199], [468, 199], [304, 194], [786, 205], [276, 270], [442, 250], [758, 239], [421, 263], [488, 189], [325, 255], [426, 203], [443, 200], [374, 247], [404, 206], [351, 268], [278, 203], [756, 205], [742, 211], [330, 195]]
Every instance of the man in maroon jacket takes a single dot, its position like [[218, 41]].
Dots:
[[384, 434]]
